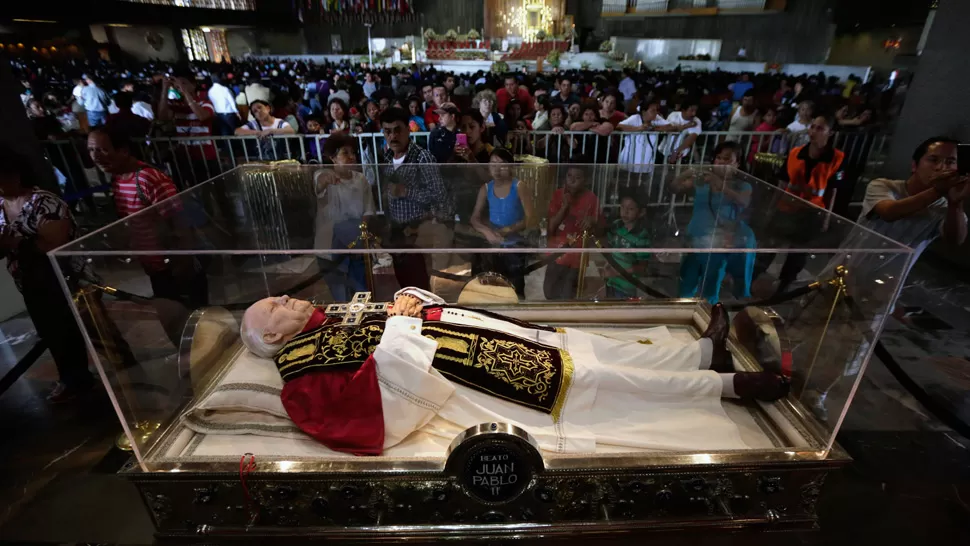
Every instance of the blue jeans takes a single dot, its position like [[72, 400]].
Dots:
[[96, 118], [345, 275], [712, 268]]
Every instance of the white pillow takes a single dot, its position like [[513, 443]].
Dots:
[[252, 385]]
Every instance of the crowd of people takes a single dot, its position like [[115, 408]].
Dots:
[[262, 99], [478, 118]]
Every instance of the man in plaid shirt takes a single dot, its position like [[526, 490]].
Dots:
[[421, 209]]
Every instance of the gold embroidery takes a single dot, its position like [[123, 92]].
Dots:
[[644, 342], [298, 353], [451, 343], [567, 382], [470, 337], [519, 366], [328, 347]]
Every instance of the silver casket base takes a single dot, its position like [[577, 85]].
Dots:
[[365, 499]]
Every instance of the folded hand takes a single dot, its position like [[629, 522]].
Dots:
[[406, 306]]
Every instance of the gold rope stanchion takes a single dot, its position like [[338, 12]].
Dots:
[[368, 241], [86, 302], [583, 264], [838, 281]]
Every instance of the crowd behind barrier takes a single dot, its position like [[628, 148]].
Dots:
[[763, 154]]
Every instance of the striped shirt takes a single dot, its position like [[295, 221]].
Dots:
[[137, 191], [621, 237], [189, 124]]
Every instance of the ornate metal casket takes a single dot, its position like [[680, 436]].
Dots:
[[204, 480]]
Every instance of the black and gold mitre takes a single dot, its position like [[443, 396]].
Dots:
[[330, 346]]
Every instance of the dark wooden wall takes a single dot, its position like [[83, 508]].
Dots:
[[440, 15], [802, 33]]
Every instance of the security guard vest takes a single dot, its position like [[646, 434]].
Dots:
[[811, 186]]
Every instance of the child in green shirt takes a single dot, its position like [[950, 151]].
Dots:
[[628, 231]]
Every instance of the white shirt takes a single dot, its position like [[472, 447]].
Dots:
[[916, 231], [398, 162], [222, 100], [143, 109], [628, 87], [797, 126], [77, 92], [674, 141], [342, 95], [257, 91], [800, 131], [343, 202], [637, 149]]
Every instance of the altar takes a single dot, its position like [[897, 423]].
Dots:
[[216, 457]]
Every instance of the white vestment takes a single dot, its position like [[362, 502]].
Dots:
[[623, 393]]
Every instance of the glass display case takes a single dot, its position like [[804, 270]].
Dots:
[[594, 249]]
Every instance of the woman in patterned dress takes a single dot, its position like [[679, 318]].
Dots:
[[32, 223]]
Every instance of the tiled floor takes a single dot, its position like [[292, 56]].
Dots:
[[906, 486]]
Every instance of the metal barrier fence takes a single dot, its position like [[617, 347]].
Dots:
[[190, 160]]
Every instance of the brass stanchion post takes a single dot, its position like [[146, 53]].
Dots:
[[838, 281], [583, 264], [367, 241]]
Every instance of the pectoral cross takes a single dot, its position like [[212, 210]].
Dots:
[[354, 311]]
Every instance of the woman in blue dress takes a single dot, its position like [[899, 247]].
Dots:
[[718, 221], [509, 216]]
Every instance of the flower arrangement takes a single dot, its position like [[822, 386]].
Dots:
[[500, 67], [473, 35], [541, 35], [606, 46], [451, 34], [585, 65], [430, 34], [554, 58]]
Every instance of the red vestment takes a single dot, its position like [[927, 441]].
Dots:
[[341, 408]]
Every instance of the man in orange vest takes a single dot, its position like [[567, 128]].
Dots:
[[814, 173]]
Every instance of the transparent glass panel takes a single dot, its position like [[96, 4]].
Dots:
[[601, 248]]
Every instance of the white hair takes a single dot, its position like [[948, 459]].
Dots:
[[252, 338]]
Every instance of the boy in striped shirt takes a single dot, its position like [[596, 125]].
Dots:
[[627, 231]]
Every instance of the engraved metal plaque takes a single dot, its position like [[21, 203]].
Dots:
[[494, 462]]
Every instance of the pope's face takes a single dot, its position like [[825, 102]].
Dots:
[[279, 318]]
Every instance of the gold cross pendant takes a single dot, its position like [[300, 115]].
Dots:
[[354, 311]]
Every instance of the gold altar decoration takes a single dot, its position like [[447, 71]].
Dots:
[[524, 18]]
